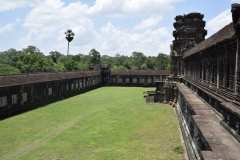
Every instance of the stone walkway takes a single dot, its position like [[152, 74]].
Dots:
[[224, 146]]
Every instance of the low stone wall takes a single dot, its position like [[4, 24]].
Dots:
[[204, 136], [228, 111]]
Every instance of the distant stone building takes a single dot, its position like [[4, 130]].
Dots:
[[29, 90], [104, 70], [208, 97], [203, 85], [189, 31]]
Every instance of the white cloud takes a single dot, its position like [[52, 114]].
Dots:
[[117, 41], [148, 23], [120, 8], [48, 21], [111, 40], [221, 20], [54, 12], [235, 1], [9, 26], [12, 4], [53, 19]]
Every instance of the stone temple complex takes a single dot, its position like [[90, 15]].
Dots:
[[206, 75], [189, 31], [203, 86]]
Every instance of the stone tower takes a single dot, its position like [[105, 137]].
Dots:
[[189, 31]]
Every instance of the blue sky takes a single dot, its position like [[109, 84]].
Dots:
[[109, 26]]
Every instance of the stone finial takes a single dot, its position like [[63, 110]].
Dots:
[[236, 17]]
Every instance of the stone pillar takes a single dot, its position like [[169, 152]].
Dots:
[[175, 94], [236, 21], [160, 90], [218, 73]]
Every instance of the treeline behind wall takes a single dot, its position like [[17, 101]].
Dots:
[[32, 60]]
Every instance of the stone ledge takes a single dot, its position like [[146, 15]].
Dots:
[[222, 144], [219, 155]]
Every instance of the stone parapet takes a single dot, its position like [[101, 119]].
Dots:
[[236, 17], [207, 138]]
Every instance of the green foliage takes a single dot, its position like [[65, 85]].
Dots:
[[72, 65], [162, 62], [95, 56], [121, 58], [27, 61], [69, 35], [33, 63], [83, 62], [83, 66], [150, 62], [31, 50], [77, 57], [138, 60], [55, 56], [59, 68], [110, 60], [144, 67], [11, 57], [179, 149], [6, 69], [118, 68]]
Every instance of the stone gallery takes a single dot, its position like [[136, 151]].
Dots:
[[206, 74], [203, 85]]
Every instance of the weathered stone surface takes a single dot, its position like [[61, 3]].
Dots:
[[220, 155], [211, 132]]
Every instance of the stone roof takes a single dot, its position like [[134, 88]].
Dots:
[[21, 79], [226, 33], [141, 72], [105, 65]]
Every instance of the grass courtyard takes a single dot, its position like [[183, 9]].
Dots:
[[106, 123]]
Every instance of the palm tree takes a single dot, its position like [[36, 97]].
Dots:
[[69, 37]]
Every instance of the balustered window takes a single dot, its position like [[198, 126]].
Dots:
[[209, 72], [191, 70], [44, 92], [204, 72], [200, 71], [214, 80], [221, 74], [164, 78], [225, 75], [231, 73], [49, 91]]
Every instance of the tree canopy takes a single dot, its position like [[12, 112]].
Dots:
[[162, 62], [95, 56], [32, 60], [139, 60]]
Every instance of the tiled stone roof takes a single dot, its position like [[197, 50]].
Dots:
[[104, 65], [20, 79], [224, 34]]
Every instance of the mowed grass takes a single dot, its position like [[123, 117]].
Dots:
[[106, 123]]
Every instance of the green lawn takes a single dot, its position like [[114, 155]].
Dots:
[[106, 123]]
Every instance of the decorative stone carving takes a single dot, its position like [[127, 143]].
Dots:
[[235, 16], [189, 31]]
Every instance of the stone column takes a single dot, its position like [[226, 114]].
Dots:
[[236, 21], [218, 73]]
